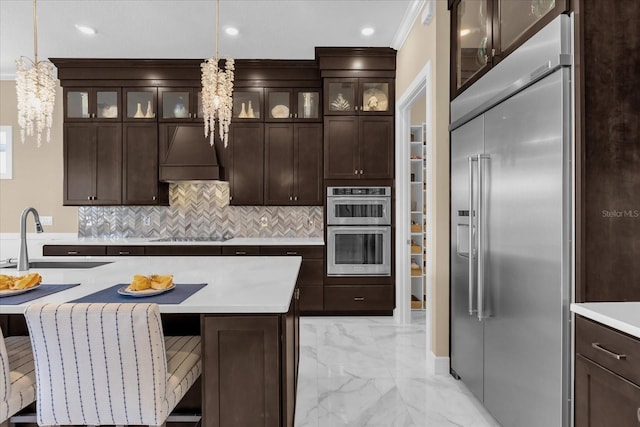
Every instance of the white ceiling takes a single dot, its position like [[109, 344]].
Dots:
[[282, 29]]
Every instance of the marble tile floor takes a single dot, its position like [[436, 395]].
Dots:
[[370, 371]]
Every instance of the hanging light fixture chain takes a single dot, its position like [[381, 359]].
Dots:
[[217, 26], [35, 33]]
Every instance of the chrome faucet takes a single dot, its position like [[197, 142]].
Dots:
[[23, 259]]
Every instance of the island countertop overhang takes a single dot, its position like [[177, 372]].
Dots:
[[242, 284]]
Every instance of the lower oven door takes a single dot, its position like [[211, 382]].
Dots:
[[359, 251]]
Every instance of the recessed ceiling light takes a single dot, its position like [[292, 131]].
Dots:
[[232, 31], [84, 29], [367, 31]]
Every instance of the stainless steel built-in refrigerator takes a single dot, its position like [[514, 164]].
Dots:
[[511, 228]]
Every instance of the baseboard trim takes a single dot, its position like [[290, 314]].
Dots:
[[439, 364]]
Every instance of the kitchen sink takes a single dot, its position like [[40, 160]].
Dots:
[[61, 264]]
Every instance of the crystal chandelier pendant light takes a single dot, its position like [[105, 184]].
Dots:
[[36, 92], [217, 92]]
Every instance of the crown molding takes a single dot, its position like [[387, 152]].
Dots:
[[410, 15]]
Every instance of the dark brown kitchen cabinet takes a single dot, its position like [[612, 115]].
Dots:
[[607, 376], [245, 163], [352, 299], [180, 104], [249, 370], [92, 164], [293, 164], [74, 250], [182, 250], [125, 250], [292, 105], [358, 147], [483, 32], [140, 185], [240, 250], [359, 96], [92, 104], [140, 104], [310, 278]]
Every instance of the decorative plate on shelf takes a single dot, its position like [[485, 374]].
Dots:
[[144, 293], [280, 112], [374, 100], [12, 292]]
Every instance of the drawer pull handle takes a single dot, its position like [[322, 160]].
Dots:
[[358, 298], [292, 253], [241, 253], [616, 356], [123, 252], [72, 252]]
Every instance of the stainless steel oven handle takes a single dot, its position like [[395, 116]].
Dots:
[[471, 260]]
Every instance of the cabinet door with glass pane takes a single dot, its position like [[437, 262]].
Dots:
[[179, 104], [292, 105], [376, 97], [471, 42], [140, 104], [340, 96], [517, 20], [92, 104], [247, 105]]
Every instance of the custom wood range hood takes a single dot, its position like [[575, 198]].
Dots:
[[186, 155]]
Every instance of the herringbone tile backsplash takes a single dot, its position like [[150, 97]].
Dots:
[[198, 210]]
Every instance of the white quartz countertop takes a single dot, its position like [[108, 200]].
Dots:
[[236, 241], [623, 316], [242, 284]]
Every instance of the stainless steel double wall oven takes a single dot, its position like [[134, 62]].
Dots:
[[358, 231]]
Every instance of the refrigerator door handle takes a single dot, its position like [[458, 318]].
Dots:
[[472, 246], [481, 237]]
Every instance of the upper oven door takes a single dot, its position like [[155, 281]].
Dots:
[[349, 210]]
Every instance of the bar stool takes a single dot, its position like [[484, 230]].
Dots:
[[17, 375], [108, 364]]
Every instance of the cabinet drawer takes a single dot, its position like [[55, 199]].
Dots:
[[311, 272], [125, 250], [614, 350], [316, 252], [83, 250], [311, 299], [240, 250], [358, 298], [182, 250]]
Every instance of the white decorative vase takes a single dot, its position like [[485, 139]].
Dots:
[[149, 114], [243, 113], [250, 114], [139, 114]]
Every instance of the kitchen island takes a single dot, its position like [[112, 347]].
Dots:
[[248, 321]]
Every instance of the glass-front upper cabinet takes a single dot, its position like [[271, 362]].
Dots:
[[92, 104], [483, 32], [471, 38], [288, 105], [349, 96], [247, 105], [180, 104], [519, 19], [140, 104]]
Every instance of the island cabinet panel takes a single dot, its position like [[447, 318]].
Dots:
[[249, 369], [607, 376]]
